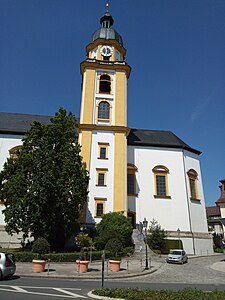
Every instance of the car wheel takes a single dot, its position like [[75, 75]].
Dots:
[[1, 276], [182, 261]]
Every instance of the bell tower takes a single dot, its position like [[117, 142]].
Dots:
[[103, 120]]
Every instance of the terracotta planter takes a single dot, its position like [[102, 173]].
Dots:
[[82, 266], [38, 265], [114, 265]]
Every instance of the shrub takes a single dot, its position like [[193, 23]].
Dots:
[[217, 241], [41, 246], [156, 236], [115, 247], [113, 225]]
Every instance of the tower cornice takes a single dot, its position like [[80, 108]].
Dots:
[[92, 127], [92, 63]]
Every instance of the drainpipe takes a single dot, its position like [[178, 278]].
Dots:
[[188, 204]]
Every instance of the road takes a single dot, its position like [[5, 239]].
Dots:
[[197, 273]]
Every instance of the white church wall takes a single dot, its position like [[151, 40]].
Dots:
[[197, 208], [7, 142], [101, 191], [170, 213]]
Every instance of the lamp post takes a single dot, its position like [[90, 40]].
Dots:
[[145, 225], [178, 232]]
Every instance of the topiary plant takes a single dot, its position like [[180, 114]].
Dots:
[[115, 247], [41, 246]]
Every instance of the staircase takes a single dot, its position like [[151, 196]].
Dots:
[[140, 247]]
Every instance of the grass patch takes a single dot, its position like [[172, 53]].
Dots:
[[138, 294]]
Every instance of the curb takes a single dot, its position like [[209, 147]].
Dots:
[[90, 277]]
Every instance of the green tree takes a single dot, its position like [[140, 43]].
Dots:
[[113, 225], [45, 187], [156, 236]]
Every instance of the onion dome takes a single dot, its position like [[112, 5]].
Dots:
[[106, 31]]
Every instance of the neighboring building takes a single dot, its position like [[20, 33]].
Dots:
[[213, 218], [221, 204], [142, 173]]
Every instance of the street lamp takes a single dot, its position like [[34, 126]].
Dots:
[[178, 232], [145, 225]]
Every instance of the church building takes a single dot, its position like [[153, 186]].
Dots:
[[142, 173]]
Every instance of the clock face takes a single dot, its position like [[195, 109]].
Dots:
[[106, 50]]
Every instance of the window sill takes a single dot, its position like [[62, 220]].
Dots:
[[98, 217], [106, 158], [101, 185], [195, 199], [162, 197]]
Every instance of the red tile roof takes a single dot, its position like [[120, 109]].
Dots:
[[213, 211]]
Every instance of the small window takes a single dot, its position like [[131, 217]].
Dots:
[[193, 176], [99, 210], [161, 182], [103, 150], [99, 207], [101, 177], [103, 110], [131, 180], [105, 82]]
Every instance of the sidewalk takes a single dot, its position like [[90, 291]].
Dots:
[[130, 267]]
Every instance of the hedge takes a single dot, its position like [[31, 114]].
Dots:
[[58, 257], [27, 256], [137, 294]]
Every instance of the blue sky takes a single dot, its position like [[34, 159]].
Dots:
[[176, 49]]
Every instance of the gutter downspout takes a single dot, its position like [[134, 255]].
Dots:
[[188, 205]]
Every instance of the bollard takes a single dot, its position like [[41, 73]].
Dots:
[[48, 265]]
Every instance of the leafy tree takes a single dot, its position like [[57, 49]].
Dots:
[[45, 187], [113, 225], [156, 236]]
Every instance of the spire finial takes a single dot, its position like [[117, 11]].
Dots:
[[107, 7]]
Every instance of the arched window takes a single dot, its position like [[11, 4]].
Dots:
[[13, 152], [161, 181], [193, 176], [104, 110], [105, 84]]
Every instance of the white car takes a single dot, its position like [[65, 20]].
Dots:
[[177, 256], [7, 265]]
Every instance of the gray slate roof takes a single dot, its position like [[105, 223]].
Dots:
[[157, 138], [14, 123]]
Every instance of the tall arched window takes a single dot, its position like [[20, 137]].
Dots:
[[104, 110], [193, 176], [161, 181], [105, 84]]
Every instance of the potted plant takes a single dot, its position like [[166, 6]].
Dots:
[[85, 243], [40, 246], [115, 247]]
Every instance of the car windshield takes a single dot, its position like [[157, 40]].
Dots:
[[175, 252]]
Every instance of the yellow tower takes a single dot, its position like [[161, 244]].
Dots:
[[103, 120]]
